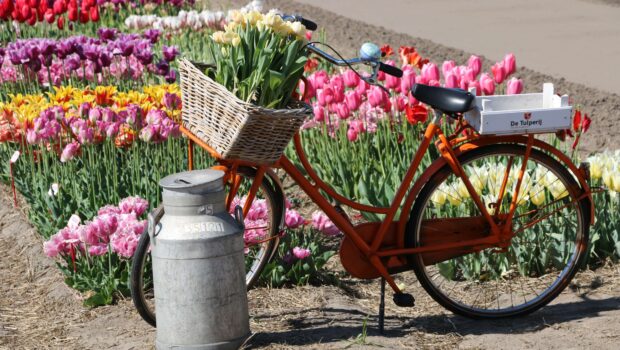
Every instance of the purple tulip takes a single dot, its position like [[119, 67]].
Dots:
[[107, 34], [73, 62], [126, 48], [172, 101], [162, 68], [152, 35], [145, 56], [170, 52], [69, 152], [105, 59], [171, 77], [92, 52]]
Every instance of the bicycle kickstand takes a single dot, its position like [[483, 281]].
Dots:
[[382, 308]]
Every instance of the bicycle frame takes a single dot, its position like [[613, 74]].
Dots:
[[450, 148]]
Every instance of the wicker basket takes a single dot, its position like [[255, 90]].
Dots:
[[234, 128]]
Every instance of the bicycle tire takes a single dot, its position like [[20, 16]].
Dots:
[[144, 303], [457, 268]]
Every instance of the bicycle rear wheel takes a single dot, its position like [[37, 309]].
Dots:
[[550, 227], [261, 238]]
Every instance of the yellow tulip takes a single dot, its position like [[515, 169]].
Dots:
[[439, 197], [537, 195], [218, 37]]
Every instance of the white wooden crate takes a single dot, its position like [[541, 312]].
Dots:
[[521, 114]]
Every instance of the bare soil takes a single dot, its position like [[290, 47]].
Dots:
[[38, 311]]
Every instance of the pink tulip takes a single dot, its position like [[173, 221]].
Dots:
[[318, 79], [434, 83], [338, 93], [392, 82], [293, 219], [343, 111], [475, 85], [69, 151], [353, 100], [514, 86], [447, 67], [376, 96], [487, 84], [319, 112], [321, 222], [352, 135], [400, 102], [325, 95], [356, 125], [510, 63], [430, 72], [308, 90], [475, 64], [351, 79], [499, 72], [337, 82], [362, 88], [301, 253], [451, 80], [135, 205], [408, 79]]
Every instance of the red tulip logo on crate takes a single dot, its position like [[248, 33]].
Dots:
[[527, 115]]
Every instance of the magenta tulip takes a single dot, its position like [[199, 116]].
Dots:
[[514, 86], [510, 63], [69, 151], [499, 72], [475, 63], [487, 84]]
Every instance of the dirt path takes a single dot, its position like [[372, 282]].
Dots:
[[38, 311]]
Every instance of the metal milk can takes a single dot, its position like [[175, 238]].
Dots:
[[198, 266]]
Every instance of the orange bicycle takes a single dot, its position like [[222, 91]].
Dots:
[[496, 226]]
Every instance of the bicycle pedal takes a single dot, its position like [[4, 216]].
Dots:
[[404, 300]]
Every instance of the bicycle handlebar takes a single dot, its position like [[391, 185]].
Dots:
[[386, 68]]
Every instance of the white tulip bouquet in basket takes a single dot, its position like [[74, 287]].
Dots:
[[241, 105]]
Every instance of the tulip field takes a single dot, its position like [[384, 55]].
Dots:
[[90, 109]]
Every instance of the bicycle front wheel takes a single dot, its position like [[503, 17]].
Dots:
[[550, 233], [260, 236]]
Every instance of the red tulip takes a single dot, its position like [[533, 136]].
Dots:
[[387, 51], [59, 7], [577, 121], [84, 16], [416, 114], [60, 23], [49, 16], [499, 72], [94, 14], [72, 13]]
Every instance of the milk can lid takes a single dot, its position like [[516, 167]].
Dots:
[[195, 181]]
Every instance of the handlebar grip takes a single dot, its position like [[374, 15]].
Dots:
[[308, 24], [391, 70]]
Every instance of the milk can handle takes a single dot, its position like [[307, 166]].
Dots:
[[153, 219], [239, 217]]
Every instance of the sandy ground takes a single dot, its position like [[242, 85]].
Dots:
[[574, 39], [38, 311]]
